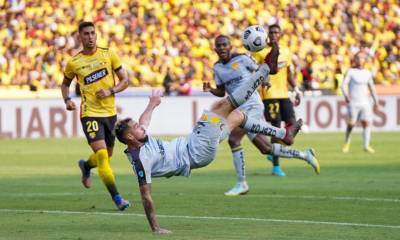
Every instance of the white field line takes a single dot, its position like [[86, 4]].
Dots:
[[311, 197], [204, 218]]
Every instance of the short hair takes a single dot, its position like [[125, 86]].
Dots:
[[275, 25], [222, 36], [120, 129], [82, 25]]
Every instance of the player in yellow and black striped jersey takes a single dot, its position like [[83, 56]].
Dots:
[[94, 69], [277, 105]]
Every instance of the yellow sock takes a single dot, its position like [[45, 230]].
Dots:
[[92, 161], [105, 171]]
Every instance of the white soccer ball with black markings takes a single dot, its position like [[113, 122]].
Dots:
[[254, 38]]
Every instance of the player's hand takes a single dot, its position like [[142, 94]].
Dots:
[[70, 105], [206, 86], [162, 231], [155, 98], [347, 99], [103, 93]]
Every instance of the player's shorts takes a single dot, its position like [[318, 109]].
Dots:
[[254, 112], [204, 140], [99, 128], [361, 112], [278, 110]]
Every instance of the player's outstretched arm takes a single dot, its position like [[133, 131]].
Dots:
[[154, 101], [148, 205]]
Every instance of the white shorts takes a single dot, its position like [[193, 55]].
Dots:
[[356, 112], [204, 140]]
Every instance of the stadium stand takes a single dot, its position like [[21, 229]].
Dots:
[[153, 37]]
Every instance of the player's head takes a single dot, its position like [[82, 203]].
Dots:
[[274, 32], [87, 34], [223, 47], [128, 131], [358, 60]]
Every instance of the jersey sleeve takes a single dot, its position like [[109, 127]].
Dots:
[[115, 61], [69, 71], [141, 168], [143, 172]]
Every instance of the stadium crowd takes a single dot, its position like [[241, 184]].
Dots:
[[171, 40]]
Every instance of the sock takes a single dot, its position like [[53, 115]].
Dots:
[[366, 136], [260, 126], [281, 151], [105, 171], [247, 88], [224, 133], [91, 162], [238, 162], [348, 135], [117, 199], [275, 160]]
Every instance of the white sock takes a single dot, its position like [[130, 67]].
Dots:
[[263, 127], [286, 152], [366, 136], [238, 161]]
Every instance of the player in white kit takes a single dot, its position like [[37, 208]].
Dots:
[[153, 157], [357, 87]]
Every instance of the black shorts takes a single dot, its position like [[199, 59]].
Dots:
[[278, 110], [99, 128]]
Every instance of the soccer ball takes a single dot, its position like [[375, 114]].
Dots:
[[254, 38]]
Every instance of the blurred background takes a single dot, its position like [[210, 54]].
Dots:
[[169, 45], [171, 41]]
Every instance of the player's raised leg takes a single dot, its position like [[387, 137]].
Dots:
[[276, 149]]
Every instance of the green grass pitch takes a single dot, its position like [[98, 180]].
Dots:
[[357, 195]]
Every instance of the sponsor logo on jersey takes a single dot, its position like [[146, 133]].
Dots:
[[141, 173], [95, 76], [235, 65], [214, 120], [204, 117]]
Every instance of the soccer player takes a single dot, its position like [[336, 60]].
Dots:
[[356, 87], [153, 157], [229, 72], [93, 68], [277, 105]]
